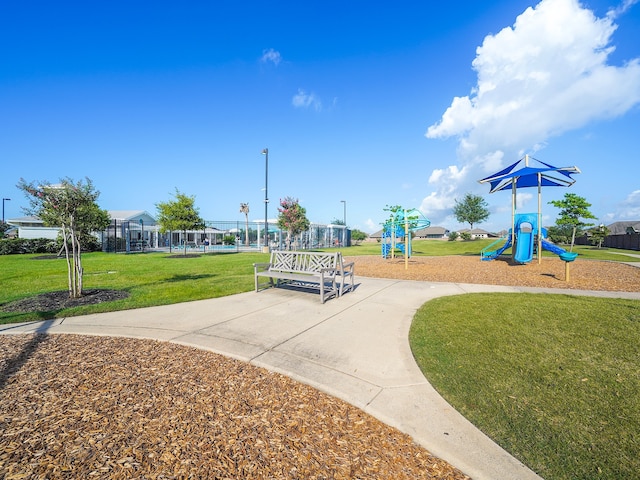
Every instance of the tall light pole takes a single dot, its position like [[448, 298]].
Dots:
[[344, 221], [265, 152], [3, 200]]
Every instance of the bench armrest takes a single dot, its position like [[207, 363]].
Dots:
[[348, 267], [261, 267]]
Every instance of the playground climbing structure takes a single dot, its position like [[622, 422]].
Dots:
[[397, 232]]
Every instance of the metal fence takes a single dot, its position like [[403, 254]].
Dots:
[[128, 236]]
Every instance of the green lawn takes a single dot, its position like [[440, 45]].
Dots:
[[150, 279], [551, 378]]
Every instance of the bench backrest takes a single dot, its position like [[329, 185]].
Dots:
[[303, 262]]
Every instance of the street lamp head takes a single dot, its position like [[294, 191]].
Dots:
[[265, 151]]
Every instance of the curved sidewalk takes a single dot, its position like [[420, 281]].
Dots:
[[354, 347]]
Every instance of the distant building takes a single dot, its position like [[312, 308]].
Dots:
[[477, 233], [33, 227], [432, 232], [624, 228]]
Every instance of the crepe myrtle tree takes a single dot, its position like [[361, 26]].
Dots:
[[72, 207], [292, 218], [179, 215]]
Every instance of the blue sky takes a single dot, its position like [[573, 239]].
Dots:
[[375, 103]]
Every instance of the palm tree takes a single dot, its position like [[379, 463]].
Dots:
[[244, 208]]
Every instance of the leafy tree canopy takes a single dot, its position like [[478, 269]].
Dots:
[[292, 217], [358, 235], [179, 215], [4, 226], [472, 209], [598, 234], [573, 208]]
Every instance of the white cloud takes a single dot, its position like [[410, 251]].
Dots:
[[620, 9], [630, 207], [303, 99], [533, 79], [372, 226], [524, 199], [271, 55]]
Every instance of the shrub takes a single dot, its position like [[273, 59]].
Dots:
[[453, 236], [466, 236], [11, 246]]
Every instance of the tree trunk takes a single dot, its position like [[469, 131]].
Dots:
[[65, 245], [79, 270], [246, 231], [573, 238]]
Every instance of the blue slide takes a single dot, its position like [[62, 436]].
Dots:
[[552, 247], [561, 252], [524, 246]]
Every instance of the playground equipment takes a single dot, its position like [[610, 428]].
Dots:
[[525, 228], [396, 232], [522, 175]]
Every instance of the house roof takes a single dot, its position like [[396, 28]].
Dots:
[[435, 230], [126, 214], [132, 215], [621, 228], [24, 220], [475, 231]]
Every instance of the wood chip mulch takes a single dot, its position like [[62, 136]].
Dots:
[[100, 407], [550, 273]]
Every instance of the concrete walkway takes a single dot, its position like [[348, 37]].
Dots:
[[354, 347]]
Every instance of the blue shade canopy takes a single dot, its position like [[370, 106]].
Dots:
[[522, 174]]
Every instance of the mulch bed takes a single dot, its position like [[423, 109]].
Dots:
[[550, 273], [54, 301], [100, 407]]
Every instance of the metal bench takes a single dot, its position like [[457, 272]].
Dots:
[[306, 269]]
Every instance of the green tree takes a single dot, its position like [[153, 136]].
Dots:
[[560, 233], [573, 208], [358, 236], [598, 234], [179, 215], [72, 207], [471, 209], [292, 218], [4, 226]]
